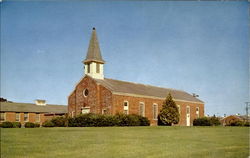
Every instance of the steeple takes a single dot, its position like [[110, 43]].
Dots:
[[93, 64], [94, 52]]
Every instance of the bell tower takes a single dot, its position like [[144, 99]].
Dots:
[[93, 64]]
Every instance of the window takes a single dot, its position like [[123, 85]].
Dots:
[[179, 109], [26, 117], [126, 107], [197, 112], [17, 116], [85, 92], [104, 111], [88, 67], [37, 117], [2, 116], [142, 109], [97, 68], [155, 111]]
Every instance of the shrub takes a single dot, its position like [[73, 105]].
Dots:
[[144, 121], [7, 124], [16, 124], [59, 121], [247, 124], [236, 123], [48, 124], [97, 120], [169, 113], [203, 121], [37, 125], [29, 125], [214, 121]]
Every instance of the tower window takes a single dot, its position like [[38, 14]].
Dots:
[[97, 68], [88, 67]]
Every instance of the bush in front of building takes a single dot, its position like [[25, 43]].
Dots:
[[37, 125], [169, 113], [16, 124], [48, 123], [214, 121], [236, 123], [29, 125], [7, 124], [98, 120], [203, 121], [207, 121], [59, 121]]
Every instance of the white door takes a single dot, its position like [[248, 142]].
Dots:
[[188, 115]]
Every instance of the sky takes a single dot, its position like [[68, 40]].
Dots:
[[195, 46]]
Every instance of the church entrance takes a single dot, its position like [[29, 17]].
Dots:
[[188, 115], [85, 110]]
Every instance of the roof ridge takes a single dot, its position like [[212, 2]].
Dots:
[[146, 85]]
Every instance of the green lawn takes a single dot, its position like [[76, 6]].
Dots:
[[126, 142]]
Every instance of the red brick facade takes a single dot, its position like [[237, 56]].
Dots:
[[101, 100]]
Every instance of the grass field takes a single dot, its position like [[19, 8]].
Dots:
[[126, 142]]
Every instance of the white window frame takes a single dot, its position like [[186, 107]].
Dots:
[[4, 116], [143, 112], [19, 116], [39, 116], [127, 107], [179, 109], [197, 114], [155, 117], [27, 117], [104, 110]]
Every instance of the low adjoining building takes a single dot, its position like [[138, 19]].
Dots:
[[27, 112]]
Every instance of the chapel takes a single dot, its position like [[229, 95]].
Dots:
[[96, 94]]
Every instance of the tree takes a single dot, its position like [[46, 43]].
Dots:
[[169, 113]]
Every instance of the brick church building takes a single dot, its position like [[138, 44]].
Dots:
[[96, 94]]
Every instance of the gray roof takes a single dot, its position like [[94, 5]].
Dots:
[[145, 90], [94, 52], [28, 107]]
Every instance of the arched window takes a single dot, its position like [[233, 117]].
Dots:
[[155, 111], [197, 112], [179, 109], [126, 107], [142, 109]]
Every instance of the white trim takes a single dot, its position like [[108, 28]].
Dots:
[[127, 107], [143, 112], [179, 109], [188, 116], [156, 111], [197, 114]]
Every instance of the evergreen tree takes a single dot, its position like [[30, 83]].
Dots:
[[169, 113]]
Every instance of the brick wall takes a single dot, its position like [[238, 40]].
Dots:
[[11, 116], [100, 99]]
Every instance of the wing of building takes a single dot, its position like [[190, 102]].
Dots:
[[27, 112], [96, 94]]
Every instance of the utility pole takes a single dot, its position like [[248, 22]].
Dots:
[[247, 107]]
